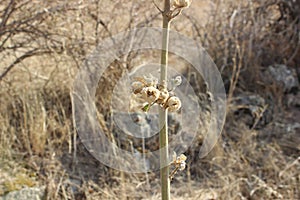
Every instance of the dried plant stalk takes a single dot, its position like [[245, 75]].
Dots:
[[163, 113]]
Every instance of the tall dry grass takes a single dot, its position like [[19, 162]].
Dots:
[[36, 127]]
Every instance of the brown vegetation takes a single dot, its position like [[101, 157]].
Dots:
[[42, 46]]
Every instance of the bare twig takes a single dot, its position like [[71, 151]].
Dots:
[[20, 59], [157, 6]]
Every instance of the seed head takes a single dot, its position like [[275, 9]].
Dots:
[[137, 87], [181, 159], [173, 104], [163, 97], [177, 80], [181, 3], [150, 94]]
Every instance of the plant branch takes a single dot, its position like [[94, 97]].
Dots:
[[20, 59], [157, 6]]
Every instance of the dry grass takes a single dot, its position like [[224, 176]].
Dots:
[[37, 137]]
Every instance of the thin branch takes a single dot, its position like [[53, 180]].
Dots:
[[157, 6], [177, 13], [20, 59], [8, 11]]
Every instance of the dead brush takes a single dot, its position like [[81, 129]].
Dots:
[[253, 163], [37, 121]]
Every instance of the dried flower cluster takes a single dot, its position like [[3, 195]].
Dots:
[[179, 163], [153, 93], [176, 7], [181, 3]]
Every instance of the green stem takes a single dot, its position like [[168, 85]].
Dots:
[[163, 114]]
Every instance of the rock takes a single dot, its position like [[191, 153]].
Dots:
[[293, 100], [73, 184], [34, 193], [285, 75], [253, 110]]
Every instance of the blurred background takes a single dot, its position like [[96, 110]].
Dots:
[[255, 45]]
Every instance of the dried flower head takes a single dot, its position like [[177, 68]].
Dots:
[[137, 87], [181, 3], [177, 80], [150, 94], [173, 104], [179, 163], [182, 159], [163, 97]]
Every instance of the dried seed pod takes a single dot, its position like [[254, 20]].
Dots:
[[173, 104], [150, 94], [181, 161], [181, 3], [163, 97], [177, 80], [182, 166], [137, 87]]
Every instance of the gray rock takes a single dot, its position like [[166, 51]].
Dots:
[[260, 111], [34, 193], [283, 74]]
